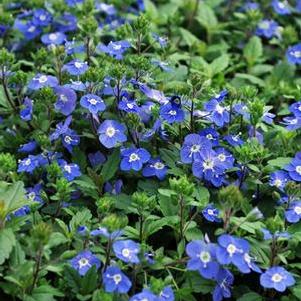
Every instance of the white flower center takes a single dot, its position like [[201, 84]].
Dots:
[[78, 65], [53, 36], [195, 148], [297, 210], [277, 277], [93, 101], [221, 157], [208, 164], [278, 183], [264, 25], [27, 162], [42, 79], [209, 136], [110, 131], [210, 212], [68, 139], [83, 262], [63, 98], [117, 278], [172, 112], [31, 195], [126, 252], [67, 168], [220, 109], [31, 29], [130, 105], [205, 257], [134, 157], [159, 165], [298, 169], [231, 249], [116, 47], [42, 17], [296, 54]]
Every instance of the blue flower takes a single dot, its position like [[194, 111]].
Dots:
[[111, 133], [234, 140], [115, 49], [247, 264], [145, 295], [231, 250], [54, 38], [41, 17], [66, 100], [82, 230], [279, 179], [193, 147], [126, 250], [295, 108], [162, 65], [34, 193], [219, 114], [102, 231], [292, 123], [281, 7], [202, 258], [115, 280], [224, 281], [172, 113], [128, 105], [76, 67], [108, 9], [76, 85], [61, 129], [70, 171], [28, 147], [211, 214], [28, 29], [207, 166], [155, 167], [70, 139], [161, 40], [28, 164], [293, 213], [96, 158], [166, 294], [277, 278], [153, 94], [293, 54], [26, 112], [93, 103], [251, 6], [133, 158], [225, 158], [72, 47], [41, 81], [210, 134], [267, 28], [294, 168], [84, 261], [66, 22]]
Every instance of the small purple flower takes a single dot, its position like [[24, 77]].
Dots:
[[41, 81], [210, 134], [126, 250], [225, 157], [96, 158], [84, 261], [76, 67], [128, 105], [153, 94], [293, 54], [76, 85], [234, 140], [66, 100], [231, 250], [28, 164], [281, 7], [34, 193], [133, 158], [54, 38], [293, 213], [93, 103], [166, 294], [70, 171], [28, 147], [28, 29], [155, 168], [115, 280], [202, 258], [115, 49], [162, 65], [102, 231], [193, 147], [267, 28], [114, 189], [108, 9], [295, 108], [172, 113], [61, 129], [70, 139], [277, 278], [219, 114], [211, 214], [111, 133], [161, 40], [279, 179], [224, 281], [292, 123], [66, 22], [82, 230], [41, 17], [26, 112], [145, 295], [294, 168]]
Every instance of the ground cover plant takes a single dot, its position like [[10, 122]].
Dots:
[[150, 150]]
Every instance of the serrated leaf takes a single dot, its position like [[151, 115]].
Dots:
[[7, 242], [253, 50], [111, 166]]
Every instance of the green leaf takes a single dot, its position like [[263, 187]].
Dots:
[[250, 297], [80, 218], [7, 242], [251, 78], [44, 293], [280, 162], [206, 17], [219, 64], [188, 37], [111, 166], [253, 50]]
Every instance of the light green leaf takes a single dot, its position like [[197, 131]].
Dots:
[[250, 297], [206, 17], [7, 242], [253, 50]]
